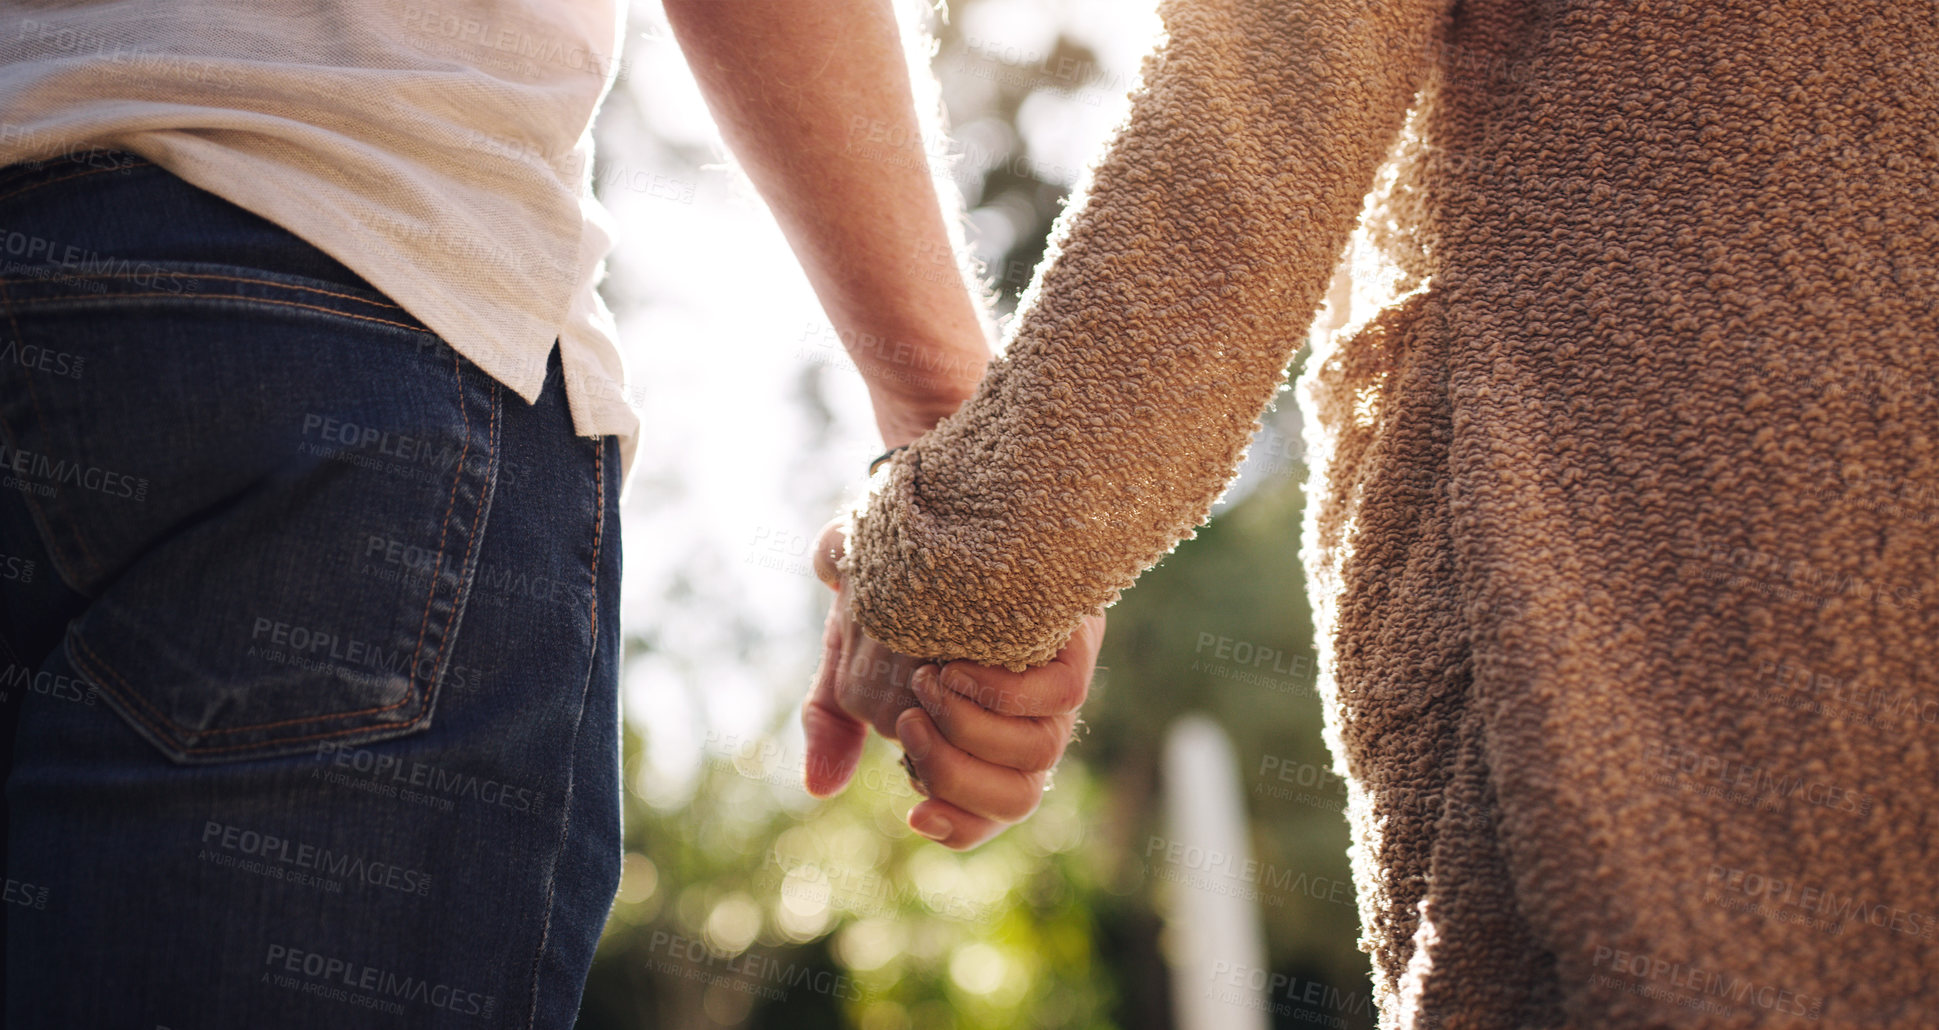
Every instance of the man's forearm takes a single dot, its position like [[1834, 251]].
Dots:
[[814, 98]]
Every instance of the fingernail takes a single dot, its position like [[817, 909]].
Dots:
[[931, 825], [960, 682], [915, 737], [925, 684]]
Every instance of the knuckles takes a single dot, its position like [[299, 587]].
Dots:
[[1045, 747], [1071, 692], [1014, 806], [1010, 802], [1051, 690]]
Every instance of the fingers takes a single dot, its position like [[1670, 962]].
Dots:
[[950, 826], [948, 773], [1028, 745], [873, 683], [979, 739], [834, 737], [1058, 688]]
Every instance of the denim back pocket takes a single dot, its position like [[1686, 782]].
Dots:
[[272, 489]]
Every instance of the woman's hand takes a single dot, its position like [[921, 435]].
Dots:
[[980, 741]]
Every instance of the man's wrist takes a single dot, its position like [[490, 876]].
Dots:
[[919, 375], [907, 406], [902, 421]]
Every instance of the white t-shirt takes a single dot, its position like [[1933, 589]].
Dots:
[[441, 150]]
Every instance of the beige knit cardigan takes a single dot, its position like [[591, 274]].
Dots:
[[1620, 524]]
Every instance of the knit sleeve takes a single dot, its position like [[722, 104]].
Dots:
[[1178, 284]]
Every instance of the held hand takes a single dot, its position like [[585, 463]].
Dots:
[[860, 684], [980, 740]]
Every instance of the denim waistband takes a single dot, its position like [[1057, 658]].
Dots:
[[96, 210]]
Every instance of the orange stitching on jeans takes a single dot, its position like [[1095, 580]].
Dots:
[[64, 178], [598, 533], [592, 662], [423, 701], [245, 279], [172, 738], [477, 512], [245, 300], [9, 304], [459, 370], [137, 699]]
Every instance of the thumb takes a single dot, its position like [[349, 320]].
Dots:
[[834, 737], [829, 545]]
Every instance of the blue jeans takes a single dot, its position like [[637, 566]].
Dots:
[[310, 632]]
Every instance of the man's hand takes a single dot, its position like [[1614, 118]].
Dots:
[[980, 740]]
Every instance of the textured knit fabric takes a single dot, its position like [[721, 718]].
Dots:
[[1620, 522], [442, 151]]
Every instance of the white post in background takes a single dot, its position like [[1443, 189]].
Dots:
[[1217, 945]]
